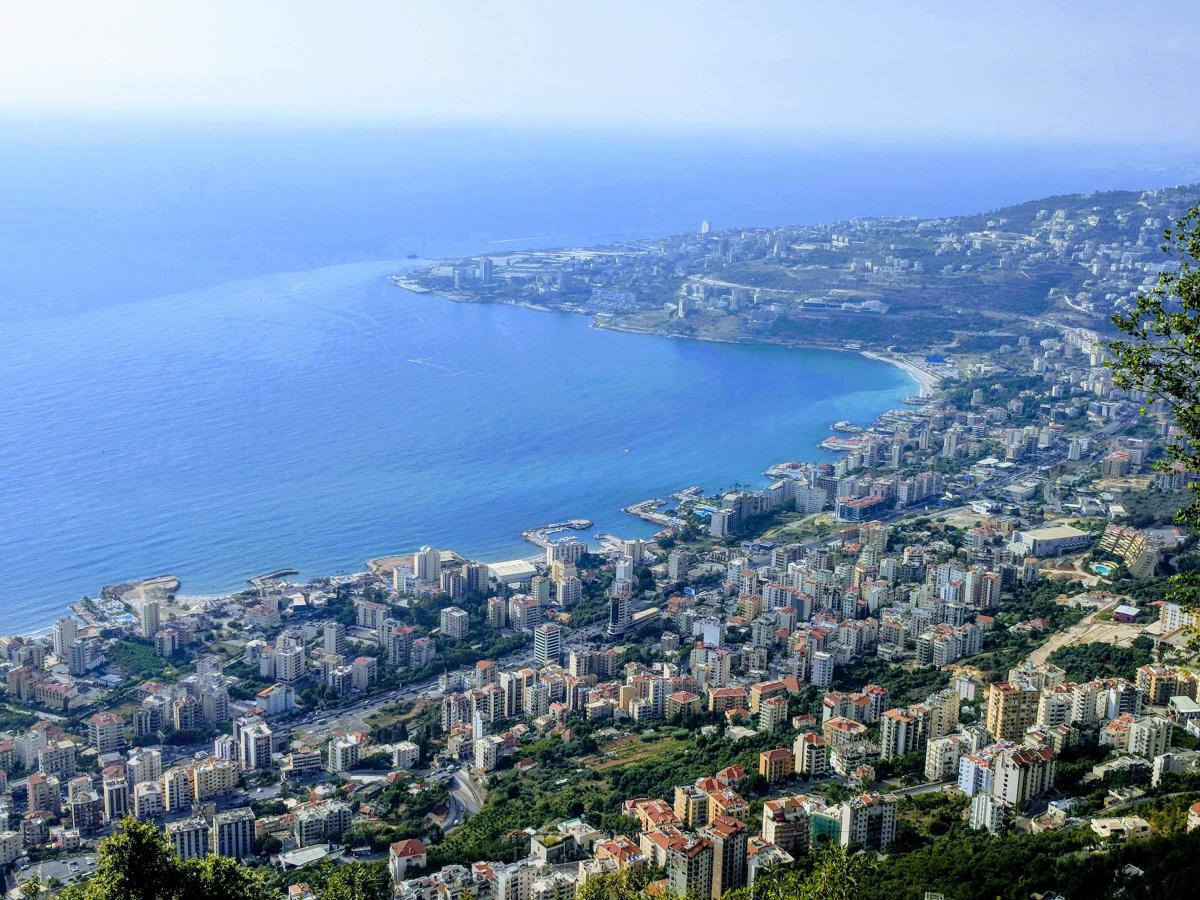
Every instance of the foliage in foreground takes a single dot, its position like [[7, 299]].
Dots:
[[967, 865], [1161, 352], [138, 863]]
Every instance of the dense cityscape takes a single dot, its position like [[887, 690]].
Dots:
[[960, 631]]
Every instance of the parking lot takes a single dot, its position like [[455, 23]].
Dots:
[[63, 871]]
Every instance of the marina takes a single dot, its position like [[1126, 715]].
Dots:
[[545, 535]]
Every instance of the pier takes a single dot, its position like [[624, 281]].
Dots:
[[274, 575], [545, 535]]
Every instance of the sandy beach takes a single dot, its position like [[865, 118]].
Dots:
[[927, 380]]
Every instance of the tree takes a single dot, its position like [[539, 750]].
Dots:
[[135, 863], [1162, 352], [626, 883], [837, 875], [219, 878], [357, 881]]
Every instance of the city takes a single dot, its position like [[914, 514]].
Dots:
[[964, 609], [964, 282], [683, 450]]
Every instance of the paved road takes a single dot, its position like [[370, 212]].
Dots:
[[465, 799]]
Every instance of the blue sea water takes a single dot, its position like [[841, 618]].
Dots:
[[204, 369]]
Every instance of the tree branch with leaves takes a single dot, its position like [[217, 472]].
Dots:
[[1160, 355]]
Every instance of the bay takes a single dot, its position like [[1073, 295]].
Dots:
[[204, 369], [314, 419]]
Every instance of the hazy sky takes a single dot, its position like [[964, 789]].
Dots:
[[1096, 71]]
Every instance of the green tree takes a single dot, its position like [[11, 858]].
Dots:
[[1161, 354], [357, 881], [219, 878], [135, 863], [624, 884], [837, 875]]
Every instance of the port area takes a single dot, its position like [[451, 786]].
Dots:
[[545, 535]]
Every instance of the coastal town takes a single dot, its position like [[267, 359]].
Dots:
[[968, 283], [960, 621]]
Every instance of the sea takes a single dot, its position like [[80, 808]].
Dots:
[[206, 371]]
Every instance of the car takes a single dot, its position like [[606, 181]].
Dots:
[[259, 791]]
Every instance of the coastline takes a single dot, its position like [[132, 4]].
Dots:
[[926, 381]]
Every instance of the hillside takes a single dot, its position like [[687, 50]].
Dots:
[[969, 282]]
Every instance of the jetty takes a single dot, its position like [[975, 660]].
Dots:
[[274, 575], [611, 543]]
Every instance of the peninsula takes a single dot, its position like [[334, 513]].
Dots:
[[959, 283]]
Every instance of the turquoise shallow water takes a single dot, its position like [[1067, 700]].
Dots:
[[204, 369]]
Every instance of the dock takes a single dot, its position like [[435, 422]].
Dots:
[[611, 543], [545, 535]]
